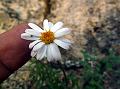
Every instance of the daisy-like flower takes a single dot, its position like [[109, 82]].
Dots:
[[46, 41]]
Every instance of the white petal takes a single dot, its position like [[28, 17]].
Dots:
[[28, 37], [53, 52], [62, 32], [45, 25], [62, 44], [31, 45], [50, 25], [49, 54], [38, 46], [57, 26], [35, 27], [25, 35], [32, 32], [33, 53], [66, 40], [41, 52]]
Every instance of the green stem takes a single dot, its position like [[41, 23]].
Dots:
[[64, 73]]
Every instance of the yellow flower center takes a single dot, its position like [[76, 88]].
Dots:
[[47, 37]]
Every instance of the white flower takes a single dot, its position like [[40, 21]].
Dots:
[[46, 41]]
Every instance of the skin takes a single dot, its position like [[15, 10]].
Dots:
[[14, 51]]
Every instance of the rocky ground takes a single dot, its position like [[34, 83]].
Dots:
[[95, 24]]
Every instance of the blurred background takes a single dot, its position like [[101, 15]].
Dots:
[[95, 25]]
